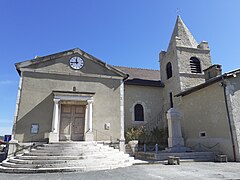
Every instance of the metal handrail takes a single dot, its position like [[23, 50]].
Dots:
[[23, 147], [200, 145]]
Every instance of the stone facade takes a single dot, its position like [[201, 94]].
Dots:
[[181, 48]]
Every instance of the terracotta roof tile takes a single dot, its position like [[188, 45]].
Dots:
[[138, 73]]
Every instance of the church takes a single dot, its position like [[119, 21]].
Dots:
[[74, 96]]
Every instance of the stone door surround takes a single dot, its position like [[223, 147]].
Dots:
[[70, 97]]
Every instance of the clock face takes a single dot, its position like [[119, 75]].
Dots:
[[76, 62]]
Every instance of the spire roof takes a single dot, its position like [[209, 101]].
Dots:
[[182, 35]]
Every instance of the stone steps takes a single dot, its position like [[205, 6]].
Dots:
[[66, 158], [77, 149], [62, 157], [64, 169], [73, 153], [42, 148], [73, 144], [67, 164], [20, 161]]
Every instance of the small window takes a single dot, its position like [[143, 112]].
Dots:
[[195, 65], [203, 134], [138, 112], [169, 70], [171, 99]]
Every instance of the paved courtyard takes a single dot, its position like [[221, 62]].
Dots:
[[187, 170]]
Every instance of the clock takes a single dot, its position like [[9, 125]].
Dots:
[[76, 62]]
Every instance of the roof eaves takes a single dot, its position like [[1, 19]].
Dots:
[[232, 73], [46, 58], [143, 82], [198, 87]]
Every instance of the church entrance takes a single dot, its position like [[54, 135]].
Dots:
[[72, 122]]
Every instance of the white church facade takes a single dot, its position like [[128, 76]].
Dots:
[[73, 96]]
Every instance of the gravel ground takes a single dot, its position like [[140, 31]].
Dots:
[[186, 170]]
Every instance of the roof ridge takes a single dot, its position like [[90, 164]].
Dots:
[[136, 68]]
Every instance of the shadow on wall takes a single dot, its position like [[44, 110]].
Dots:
[[40, 115]]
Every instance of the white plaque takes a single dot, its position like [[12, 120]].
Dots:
[[34, 128]]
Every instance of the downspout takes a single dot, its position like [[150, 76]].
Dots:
[[224, 85]]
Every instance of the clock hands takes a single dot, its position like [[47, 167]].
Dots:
[[76, 63]]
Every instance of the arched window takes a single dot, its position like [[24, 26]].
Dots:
[[195, 65], [138, 112], [169, 70]]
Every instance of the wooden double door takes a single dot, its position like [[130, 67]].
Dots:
[[72, 122]]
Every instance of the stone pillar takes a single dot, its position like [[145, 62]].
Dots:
[[174, 129], [90, 102], [55, 116], [89, 132], [12, 148], [122, 138], [54, 135]]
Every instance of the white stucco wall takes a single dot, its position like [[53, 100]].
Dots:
[[233, 99], [36, 101], [205, 111], [149, 97]]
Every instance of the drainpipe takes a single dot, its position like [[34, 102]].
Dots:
[[224, 85]]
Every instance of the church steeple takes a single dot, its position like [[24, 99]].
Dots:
[[182, 65], [181, 35]]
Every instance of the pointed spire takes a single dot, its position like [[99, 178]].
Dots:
[[181, 35]]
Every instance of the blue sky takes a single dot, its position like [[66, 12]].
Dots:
[[127, 32]]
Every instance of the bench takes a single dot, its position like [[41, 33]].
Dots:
[[173, 160], [221, 158]]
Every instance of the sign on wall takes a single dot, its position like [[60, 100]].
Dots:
[[34, 128], [7, 138]]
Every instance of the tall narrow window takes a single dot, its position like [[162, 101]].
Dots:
[[169, 70], [171, 99], [138, 112], [195, 65]]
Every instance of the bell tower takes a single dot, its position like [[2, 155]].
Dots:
[[182, 65]]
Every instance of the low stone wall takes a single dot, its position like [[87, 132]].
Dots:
[[16, 148]]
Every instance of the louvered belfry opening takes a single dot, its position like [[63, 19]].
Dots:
[[195, 65]]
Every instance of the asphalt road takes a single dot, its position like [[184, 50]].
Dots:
[[186, 170]]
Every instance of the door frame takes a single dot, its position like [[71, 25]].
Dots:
[[71, 120], [72, 98]]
